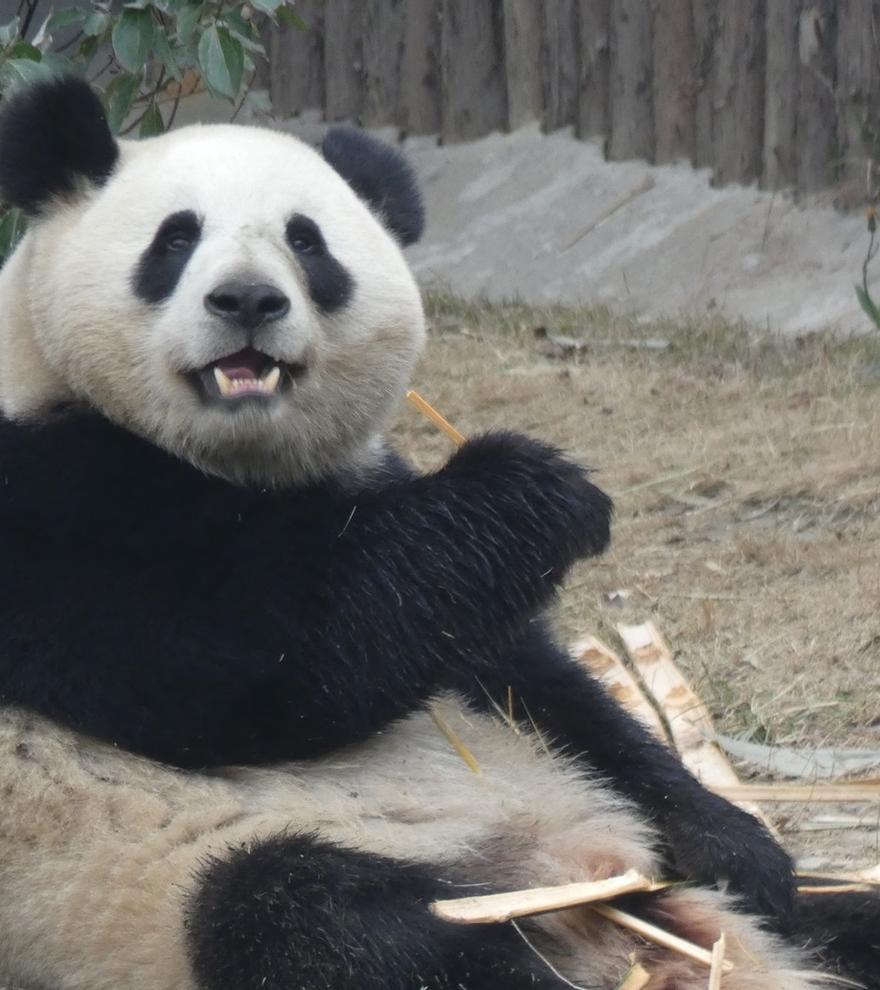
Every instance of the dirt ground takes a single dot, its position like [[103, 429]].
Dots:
[[746, 475]]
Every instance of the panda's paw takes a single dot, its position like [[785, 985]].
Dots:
[[543, 497], [725, 846]]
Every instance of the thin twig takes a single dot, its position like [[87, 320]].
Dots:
[[32, 9], [149, 97], [177, 100], [67, 44], [544, 959]]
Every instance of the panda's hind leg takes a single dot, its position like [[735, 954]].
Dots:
[[296, 911], [843, 931]]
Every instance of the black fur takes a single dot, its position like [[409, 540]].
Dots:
[[297, 912], [201, 623], [164, 261], [708, 839], [330, 283], [844, 930], [53, 135], [380, 175]]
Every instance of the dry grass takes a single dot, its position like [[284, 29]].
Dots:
[[746, 474]]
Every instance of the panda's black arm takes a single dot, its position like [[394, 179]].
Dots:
[[216, 625], [708, 838]]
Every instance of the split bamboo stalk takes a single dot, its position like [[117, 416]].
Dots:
[[837, 888], [803, 793], [870, 876], [493, 908], [717, 965], [607, 667], [659, 936], [688, 718]]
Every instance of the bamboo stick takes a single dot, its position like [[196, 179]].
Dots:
[[804, 793], [689, 720], [837, 888], [717, 965], [607, 667], [426, 409], [493, 908], [869, 876], [455, 741], [658, 936], [636, 979]]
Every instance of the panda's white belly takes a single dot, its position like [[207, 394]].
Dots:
[[99, 850]]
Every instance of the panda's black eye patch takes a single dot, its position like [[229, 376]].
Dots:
[[330, 283], [163, 262], [304, 236]]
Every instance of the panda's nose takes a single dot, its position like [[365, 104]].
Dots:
[[248, 304]]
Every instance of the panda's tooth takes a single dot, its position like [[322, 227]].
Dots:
[[269, 381], [224, 382]]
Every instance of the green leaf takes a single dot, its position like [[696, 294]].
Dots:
[[9, 32], [118, 98], [221, 58], [88, 48], [267, 6], [96, 23], [23, 72], [164, 53], [244, 31], [152, 122], [12, 228], [868, 305], [21, 49], [61, 65], [133, 38], [187, 19], [288, 16], [64, 18]]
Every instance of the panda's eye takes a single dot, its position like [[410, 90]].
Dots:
[[177, 240], [304, 237], [177, 234], [304, 245]]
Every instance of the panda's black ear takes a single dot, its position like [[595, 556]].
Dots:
[[380, 175], [53, 135]]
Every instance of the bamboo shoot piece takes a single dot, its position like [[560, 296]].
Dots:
[[636, 979], [426, 409], [493, 908], [689, 720], [659, 936], [717, 967], [805, 793], [607, 667]]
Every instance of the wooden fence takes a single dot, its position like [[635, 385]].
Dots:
[[785, 92]]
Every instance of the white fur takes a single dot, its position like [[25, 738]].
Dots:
[[99, 849], [74, 327], [96, 872]]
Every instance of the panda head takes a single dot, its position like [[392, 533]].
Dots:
[[226, 292]]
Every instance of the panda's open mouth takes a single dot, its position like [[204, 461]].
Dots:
[[247, 374]]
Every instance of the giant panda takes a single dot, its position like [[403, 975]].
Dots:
[[231, 615]]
